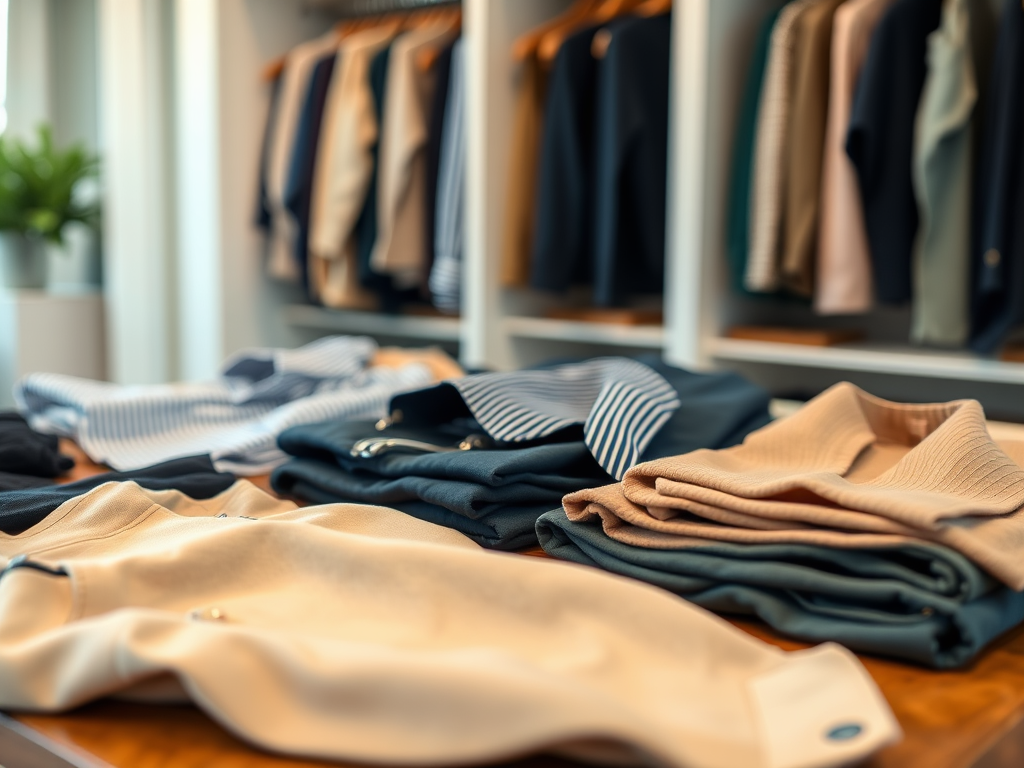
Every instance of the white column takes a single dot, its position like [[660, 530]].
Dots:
[[201, 299], [685, 302], [136, 222]]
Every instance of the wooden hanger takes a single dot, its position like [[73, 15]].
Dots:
[[650, 8], [427, 58], [526, 45], [601, 13], [272, 70]]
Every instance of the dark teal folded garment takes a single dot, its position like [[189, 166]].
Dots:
[[922, 602], [492, 496]]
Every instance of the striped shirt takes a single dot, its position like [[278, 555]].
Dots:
[[446, 272], [620, 403], [235, 418]]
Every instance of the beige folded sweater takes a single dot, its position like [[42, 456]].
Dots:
[[357, 633], [847, 470]]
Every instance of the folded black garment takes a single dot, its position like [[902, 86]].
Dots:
[[492, 496], [922, 602], [194, 476], [26, 455]]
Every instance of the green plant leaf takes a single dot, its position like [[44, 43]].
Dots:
[[37, 185]]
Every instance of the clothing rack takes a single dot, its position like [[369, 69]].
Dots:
[[355, 8]]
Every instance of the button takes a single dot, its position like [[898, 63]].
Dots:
[[844, 732], [927, 611], [209, 614], [992, 258]]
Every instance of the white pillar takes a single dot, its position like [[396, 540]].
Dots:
[[136, 208], [200, 262]]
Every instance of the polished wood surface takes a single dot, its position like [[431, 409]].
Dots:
[[953, 719], [809, 337]]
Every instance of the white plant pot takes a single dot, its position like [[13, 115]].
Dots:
[[22, 261]]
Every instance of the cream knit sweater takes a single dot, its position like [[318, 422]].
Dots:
[[847, 470], [361, 634]]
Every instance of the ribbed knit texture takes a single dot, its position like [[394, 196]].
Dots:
[[847, 470]]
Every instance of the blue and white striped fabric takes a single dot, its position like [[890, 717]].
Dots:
[[446, 273], [621, 403], [236, 418]]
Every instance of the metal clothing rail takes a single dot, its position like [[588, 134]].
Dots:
[[355, 8]]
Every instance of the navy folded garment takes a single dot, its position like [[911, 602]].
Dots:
[[194, 476], [496, 495], [27, 456], [922, 602], [492, 496], [716, 410]]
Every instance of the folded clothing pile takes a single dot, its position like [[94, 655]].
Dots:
[[893, 528], [527, 438], [235, 418], [28, 459], [432, 651]]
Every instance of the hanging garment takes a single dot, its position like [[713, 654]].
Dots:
[[741, 180], [766, 206], [997, 259], [921, 602], [880, 140], [944, 141], [236, 418], [343, 173], [399, 250], [299, 187], [446, 272], [366, 225], [264, 217], [434, 652], [27, 458], [565, 186], [194, 476], [523, 169], [844, 283], [435, 133], [805, 142], [630, 172], [847, 470], [298, 69]]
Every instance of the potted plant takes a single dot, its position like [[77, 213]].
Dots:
[[40, 194]]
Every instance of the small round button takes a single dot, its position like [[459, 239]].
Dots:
[[844, 732], [993, 257], [209, 614]]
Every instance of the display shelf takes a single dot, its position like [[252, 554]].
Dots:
[[896, 359], [374, 323], [580, 332]]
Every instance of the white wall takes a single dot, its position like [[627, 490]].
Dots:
[[29, 82], [226, 302]]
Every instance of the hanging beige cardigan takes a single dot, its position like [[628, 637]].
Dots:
[[847, 470], [358, 633]]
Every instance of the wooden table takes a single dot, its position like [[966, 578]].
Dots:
[[972, 718]]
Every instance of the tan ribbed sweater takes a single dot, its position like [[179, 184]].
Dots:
[[357, 633], [847, 470]]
